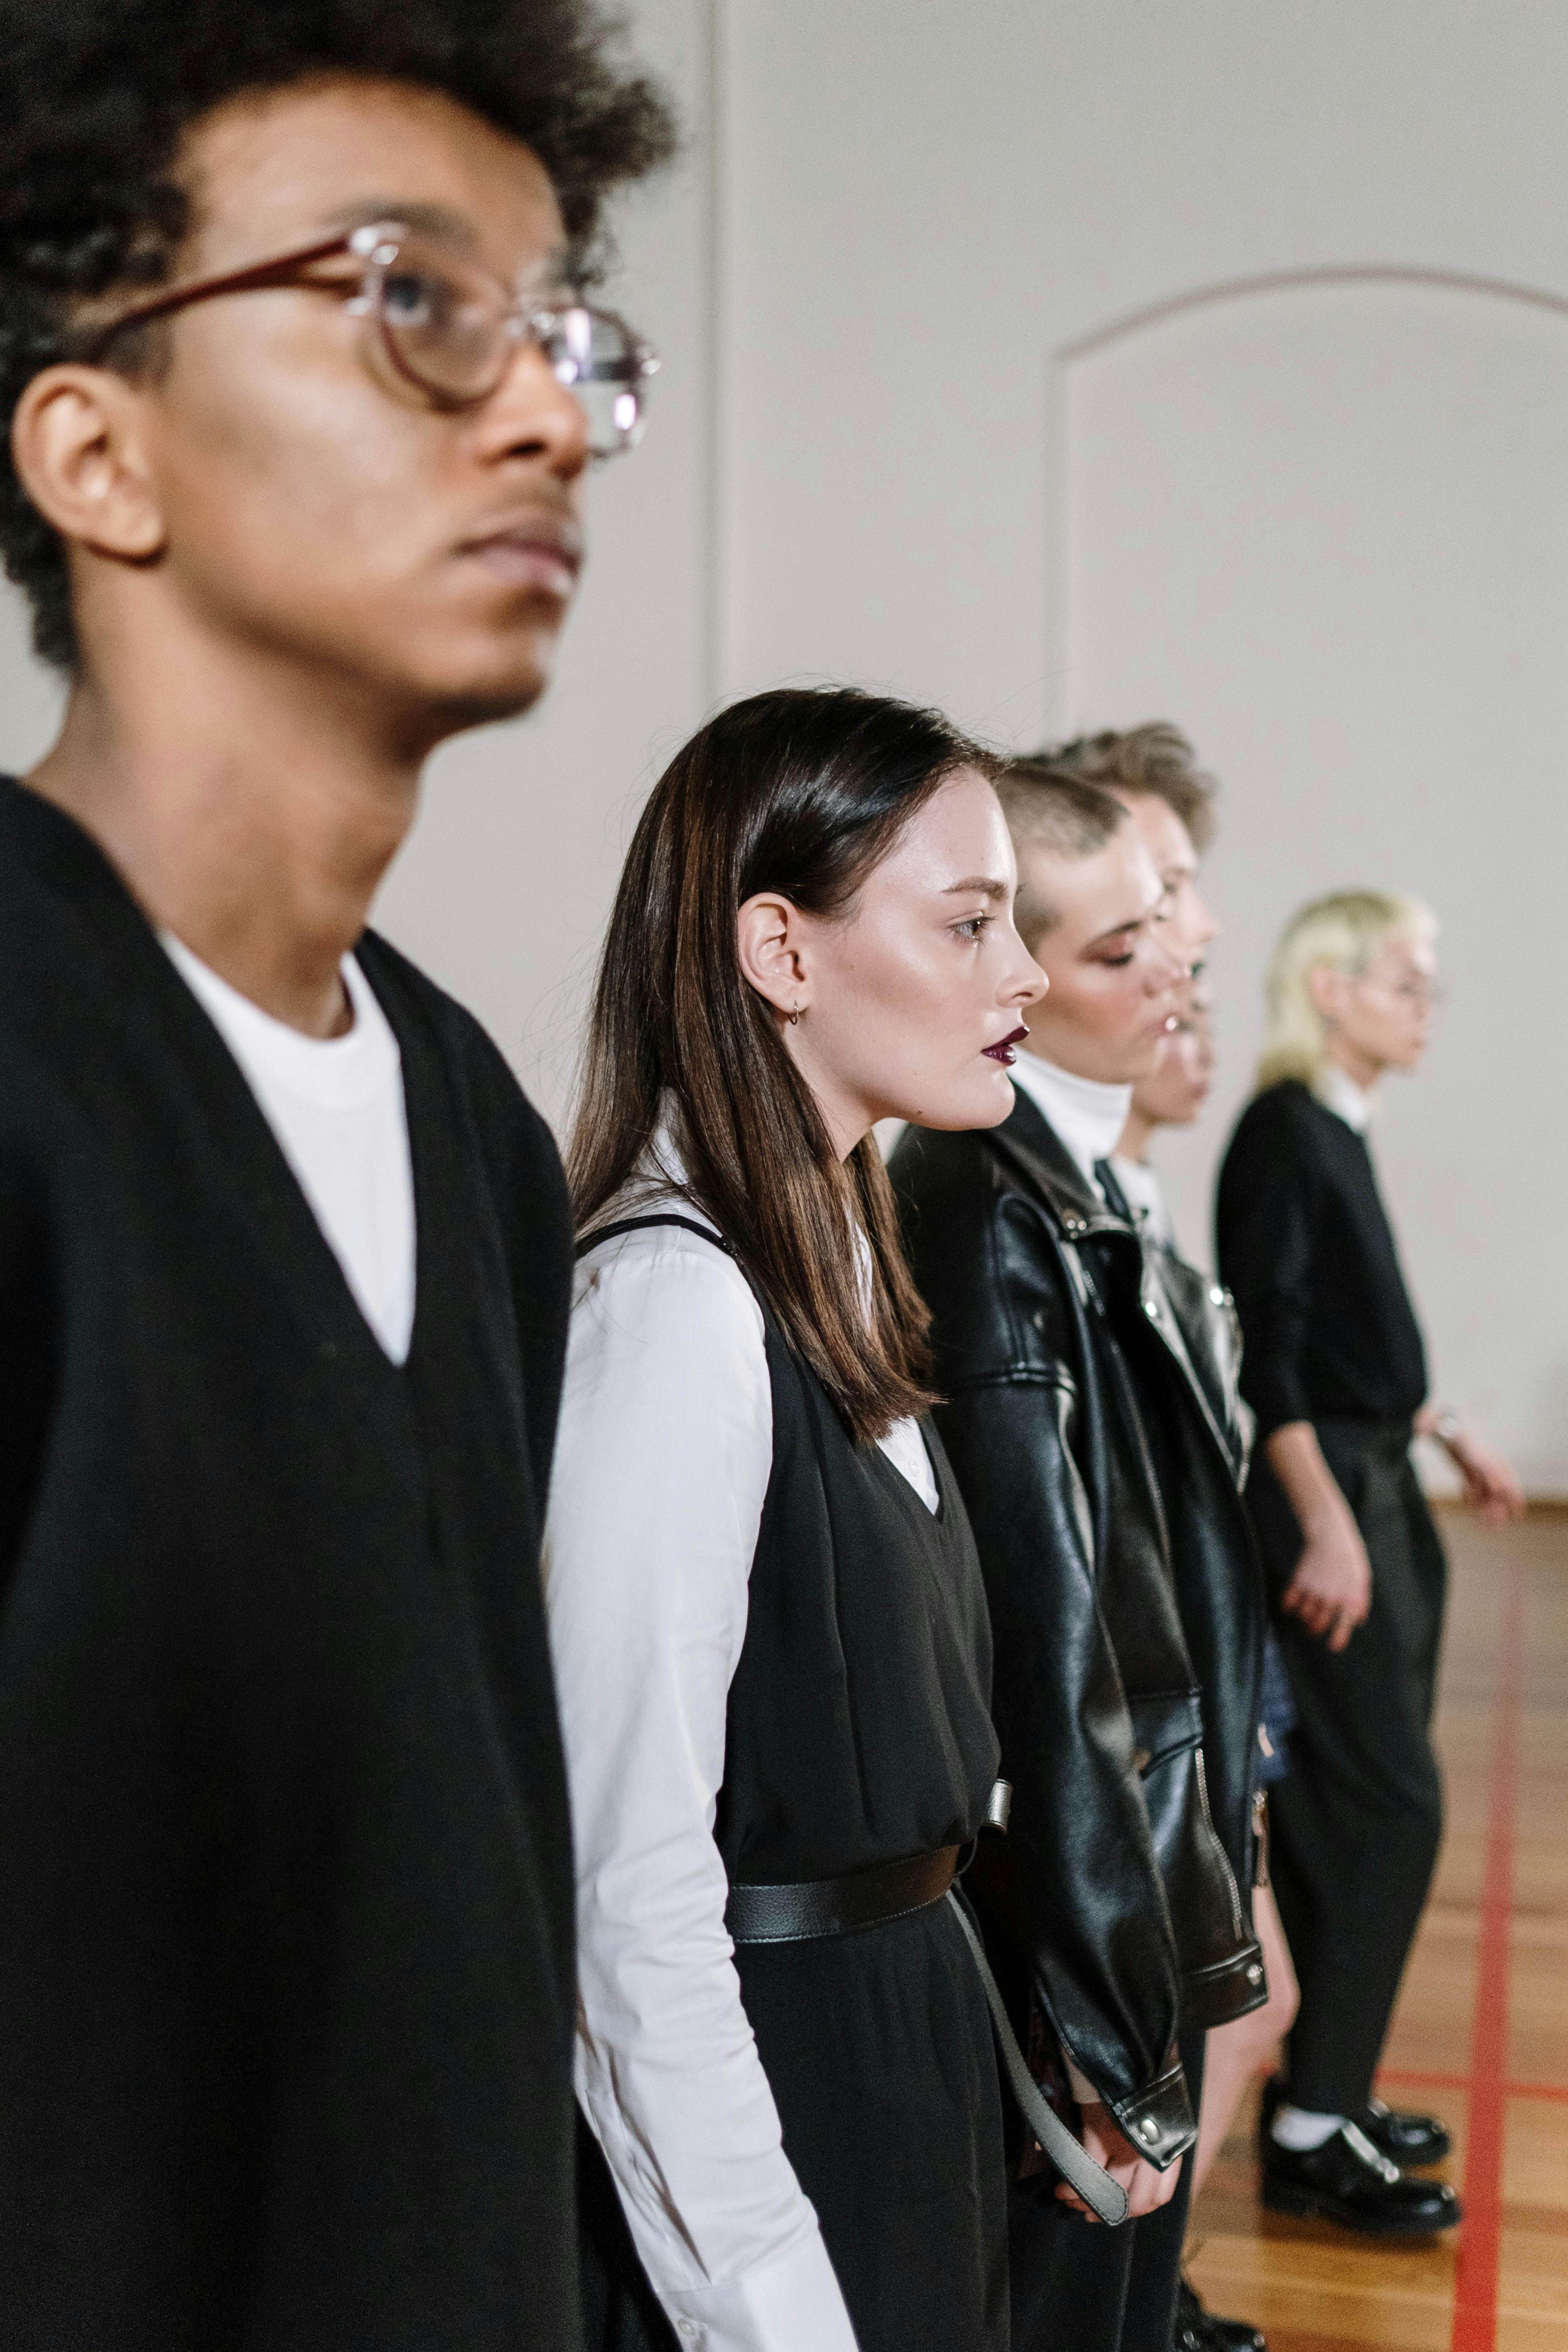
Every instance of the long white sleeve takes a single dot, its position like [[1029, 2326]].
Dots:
[[661, 1466]]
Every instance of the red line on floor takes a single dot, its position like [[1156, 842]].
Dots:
[[1480, 2233]]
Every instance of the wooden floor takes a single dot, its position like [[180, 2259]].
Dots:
[[1481, 2031]]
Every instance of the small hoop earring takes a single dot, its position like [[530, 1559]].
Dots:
[[794, 1018]]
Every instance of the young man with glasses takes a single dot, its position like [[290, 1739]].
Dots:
[[301, 395]]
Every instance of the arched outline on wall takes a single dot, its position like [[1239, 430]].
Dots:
[[1066, 718]]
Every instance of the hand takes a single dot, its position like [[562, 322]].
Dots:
[[1492, 1490], [1147, 2188], [1331, 1591]]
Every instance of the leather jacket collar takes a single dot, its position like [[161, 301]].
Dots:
[[1031, 1144]]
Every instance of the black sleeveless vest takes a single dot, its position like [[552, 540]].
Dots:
[[858, 1734], [859, 1729]]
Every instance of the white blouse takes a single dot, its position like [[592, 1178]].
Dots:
[[661, 1466]]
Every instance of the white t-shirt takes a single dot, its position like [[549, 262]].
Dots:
[[336, 1107]]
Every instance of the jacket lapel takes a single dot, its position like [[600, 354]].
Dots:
[[1033, 1149]]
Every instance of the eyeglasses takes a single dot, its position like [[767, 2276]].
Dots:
[[1424, 995], [443, 325], [1429, 995]]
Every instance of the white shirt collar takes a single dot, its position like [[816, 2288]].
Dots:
[[1146, 1194], [1337, 1092], [1087, 1115]]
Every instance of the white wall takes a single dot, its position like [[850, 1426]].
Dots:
[[1296, 518], [503, 889], [1325, 530]]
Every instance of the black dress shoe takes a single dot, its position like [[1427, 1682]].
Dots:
[[1197, 2330], [1404, 2138], [1350, 2181]]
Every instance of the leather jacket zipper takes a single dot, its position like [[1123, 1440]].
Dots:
[[1234, 1892]]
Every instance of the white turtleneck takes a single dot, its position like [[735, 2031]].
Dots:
[[1087, 1115], [1338, 1091]]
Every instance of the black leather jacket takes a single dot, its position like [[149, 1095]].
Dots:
[[1093, 1420]]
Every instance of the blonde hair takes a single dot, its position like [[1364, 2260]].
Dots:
[[1345, 932]]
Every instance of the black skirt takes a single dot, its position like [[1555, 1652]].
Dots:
[[878, 2049]]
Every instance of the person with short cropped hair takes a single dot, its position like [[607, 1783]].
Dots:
[[1335, 1372], [1090, 1414], [300, 391]]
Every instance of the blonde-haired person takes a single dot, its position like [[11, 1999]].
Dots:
[[1335, 1371]]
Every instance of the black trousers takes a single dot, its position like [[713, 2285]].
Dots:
[[1080, 2287], [1358, 1818], [878, 2052]]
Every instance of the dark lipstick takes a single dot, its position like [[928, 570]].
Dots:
[[1003, 1050]]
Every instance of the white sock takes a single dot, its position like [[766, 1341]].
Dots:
[[1299, 2129]]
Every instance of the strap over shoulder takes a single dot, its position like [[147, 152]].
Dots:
[[591, 1240]]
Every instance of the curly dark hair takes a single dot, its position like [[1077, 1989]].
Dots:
[[97, 96]]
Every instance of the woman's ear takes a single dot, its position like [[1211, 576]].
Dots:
[[1325, 991], [77, 447], [768, 943]]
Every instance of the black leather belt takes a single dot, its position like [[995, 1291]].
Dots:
[[837, 1906]]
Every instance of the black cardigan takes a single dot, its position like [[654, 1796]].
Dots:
[[1305, 1248], [285, 1959]]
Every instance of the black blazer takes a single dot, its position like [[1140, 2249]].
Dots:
[[285, 1956], [1092, 1421]]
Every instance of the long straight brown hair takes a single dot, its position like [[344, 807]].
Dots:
[[803, 792]]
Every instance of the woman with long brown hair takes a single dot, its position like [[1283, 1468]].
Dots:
[[768, 1627]]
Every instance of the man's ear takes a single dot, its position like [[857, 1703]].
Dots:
[[768, 943], [77, 447]]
